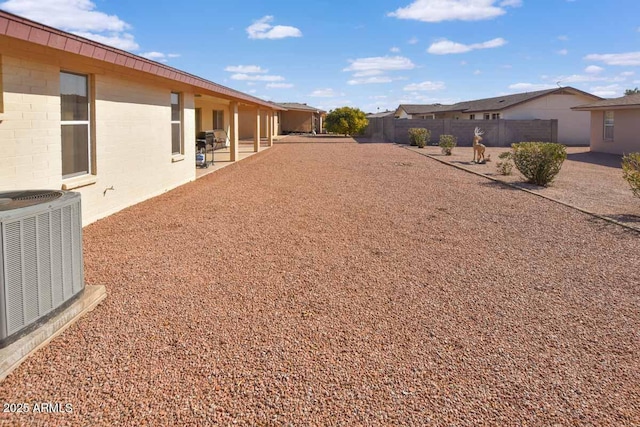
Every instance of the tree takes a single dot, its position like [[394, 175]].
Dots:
[[632, 91], [346, 120]]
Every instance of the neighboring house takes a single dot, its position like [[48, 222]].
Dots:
[[118, 128], [573, 126], [380, 115], [300, 118], [615, 124]]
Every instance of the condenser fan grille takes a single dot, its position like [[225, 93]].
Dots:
[[41, 269], [21, 199]]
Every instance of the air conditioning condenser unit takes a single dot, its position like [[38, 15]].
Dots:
[[41, 266]]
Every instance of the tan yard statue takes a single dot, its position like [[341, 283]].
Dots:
[[478, 149]]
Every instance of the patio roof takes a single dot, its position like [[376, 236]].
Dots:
[[298, 106], [33, 32], [624, 102]]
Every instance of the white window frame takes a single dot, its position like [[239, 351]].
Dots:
[[177, 122], [87, 122], [608, 126]]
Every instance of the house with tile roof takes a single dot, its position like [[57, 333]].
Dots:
[[300, 118], [116, 127], [615, 124], [573, 126]]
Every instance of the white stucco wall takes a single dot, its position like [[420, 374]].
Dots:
[[573, 126], [132, 130]]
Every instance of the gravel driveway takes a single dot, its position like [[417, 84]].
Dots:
[[325, 282]]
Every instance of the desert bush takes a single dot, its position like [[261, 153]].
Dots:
[[346, 121], [447, 143], [505, 165], [631, 171], [419, 136], [538, 162]]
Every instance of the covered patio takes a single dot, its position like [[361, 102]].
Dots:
[[221, 157], [242, 129]]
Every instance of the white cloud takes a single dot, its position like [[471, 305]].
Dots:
[[477, 72], [367, 73], [563, 38], [370, 80], [450, 10], [257, 77], [380, 63], [528, 87], [593, 69], [395, 49], [122, 41], [627, 73], [372, 70], [445, 47], [413, 40], [608, 91], [325, 93], [279, 85], [581, 78], [262, 29], [426, 85], [159, 56], [562, 52], [245, 69], [79, 17], [629, 58]]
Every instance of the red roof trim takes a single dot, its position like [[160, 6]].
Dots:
[[21, 28], [4, 23]]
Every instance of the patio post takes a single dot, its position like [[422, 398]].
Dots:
[[270, 127], [233, 149], [256, 133]]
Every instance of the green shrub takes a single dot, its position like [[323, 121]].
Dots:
[[447, 143], [505, 166], [419, 137], [539, 162], [346, 121], [631, 171]]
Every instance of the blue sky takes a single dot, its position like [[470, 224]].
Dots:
[[370, 54]]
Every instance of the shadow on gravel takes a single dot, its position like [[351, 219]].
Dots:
[[602, 159], [363, 140], [628, 218], [499, 184], [603, 225]]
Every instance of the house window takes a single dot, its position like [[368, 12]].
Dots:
[[608, 125], [75, 125], [472, 116], [487, 116], [176, 123], [495, 116], [218, 119]]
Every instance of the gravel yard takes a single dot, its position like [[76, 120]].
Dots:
[[591, 181], [326, 282]]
